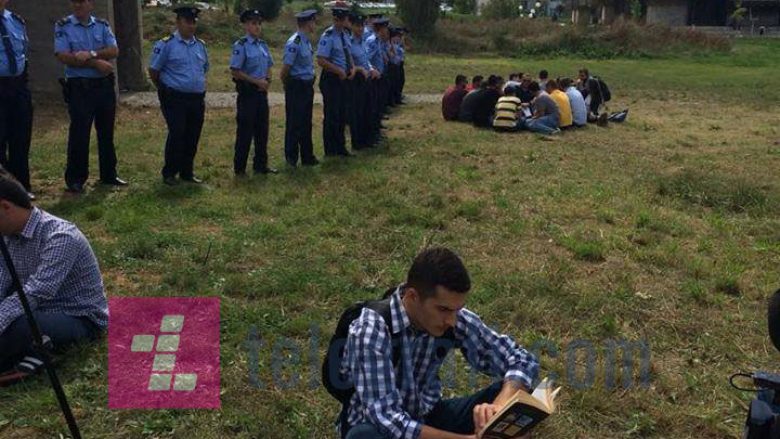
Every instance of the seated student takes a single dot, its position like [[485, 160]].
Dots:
[[525, 95], [406, 402], [578, 108], [543, 77], [564, 106], [476, 83], [453, 97], [485, 102], [507, 114], [546, 116], [513, 84], [59, 274], [590, 88]]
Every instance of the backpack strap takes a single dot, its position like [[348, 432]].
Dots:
[[382, 307]]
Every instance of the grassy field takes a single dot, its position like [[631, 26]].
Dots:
[[663, 229]]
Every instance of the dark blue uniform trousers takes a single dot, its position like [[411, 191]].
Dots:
[[334, 100], [251, 124], [184, 113], [91, 101], [298, 107], [359, 112], [16, 117]]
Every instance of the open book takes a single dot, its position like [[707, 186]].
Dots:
[[522, 413]]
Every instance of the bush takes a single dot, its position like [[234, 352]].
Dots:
[[419, 15], [501, 9], [269, 8]]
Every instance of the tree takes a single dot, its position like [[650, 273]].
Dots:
[[419, 15], [465, 6], [268, 8]]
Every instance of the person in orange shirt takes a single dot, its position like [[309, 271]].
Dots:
[[564, 106]]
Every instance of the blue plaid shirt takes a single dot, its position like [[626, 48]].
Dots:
[[58, 271], [397, 410]]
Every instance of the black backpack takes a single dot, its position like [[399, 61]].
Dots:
[[606, 95], [343, 390]]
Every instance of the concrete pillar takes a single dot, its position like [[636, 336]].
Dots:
[[581, 15], [668, 12], [607, 14], [128, 26]]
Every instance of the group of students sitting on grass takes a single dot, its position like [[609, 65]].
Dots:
[[544, 106]]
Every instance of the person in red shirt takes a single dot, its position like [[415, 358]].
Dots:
[[450, 103]]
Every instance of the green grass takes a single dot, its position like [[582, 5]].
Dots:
[[662, 229]]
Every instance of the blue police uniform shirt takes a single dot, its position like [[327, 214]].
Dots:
[[17, 32], [251, 56], [396, 57], [400, 52], [376, 52], [367, 31], [298, 54], [70, 35], [359, 54], [182, 64], [331, 46]]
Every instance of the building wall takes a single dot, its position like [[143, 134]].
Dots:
[[669, 12], [44, 69]]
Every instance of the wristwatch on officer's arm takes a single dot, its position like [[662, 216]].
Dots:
[[92, 54]]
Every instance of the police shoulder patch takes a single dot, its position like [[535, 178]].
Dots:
[[297, 39], [19, 18], [241, 41]]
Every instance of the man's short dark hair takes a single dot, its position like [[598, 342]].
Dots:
[[584, 71], [13, 191], [477, 78], [565, 83], [460, 79], [438, 267], [494, 81], [552, 85], [543, 74], [533, 87]]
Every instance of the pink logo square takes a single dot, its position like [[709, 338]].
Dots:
[[163, 353]]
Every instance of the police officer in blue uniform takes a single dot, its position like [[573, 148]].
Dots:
[[396, 63], [251, 68], [359, 108], [87, 46], [377, 56], [16, 110], [297, 75], [335, 59], [178, 68]]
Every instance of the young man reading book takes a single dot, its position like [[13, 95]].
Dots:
[[406, 401]]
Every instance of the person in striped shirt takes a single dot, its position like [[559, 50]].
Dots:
[[406, 401]]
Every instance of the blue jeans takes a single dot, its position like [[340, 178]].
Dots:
[[63, 330], [543, 125], [453, 415]]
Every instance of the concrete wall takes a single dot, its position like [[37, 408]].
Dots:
[[669, 12], [41, 15]]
